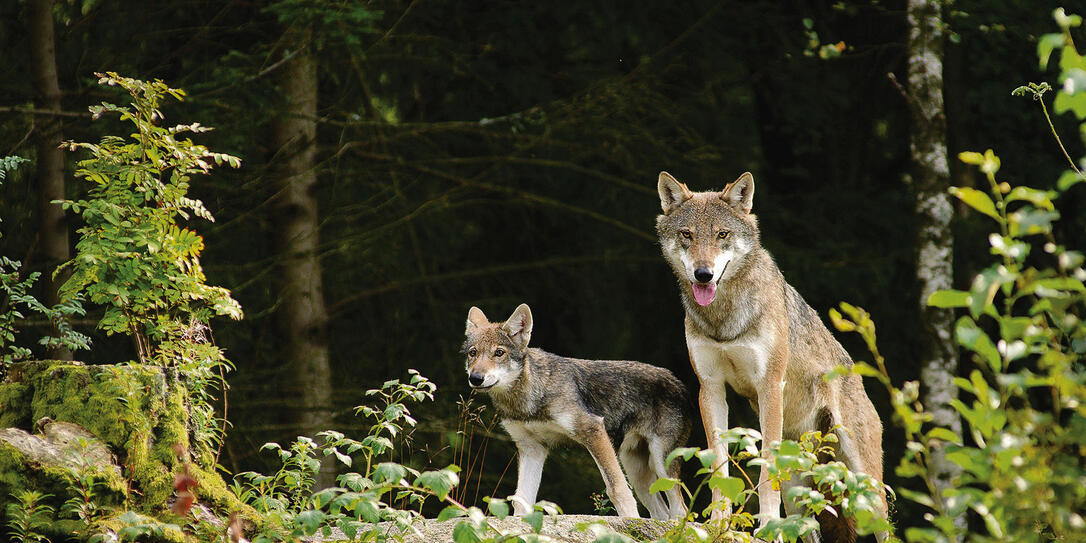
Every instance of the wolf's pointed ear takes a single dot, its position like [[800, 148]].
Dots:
[[740, 193], [672, 192], [519, 325], [476, 319]]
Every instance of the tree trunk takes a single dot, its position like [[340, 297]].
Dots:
[[301, 317], [931, 176], [53, 229]]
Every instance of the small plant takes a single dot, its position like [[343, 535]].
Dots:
[[132, 256], [137, 527], [472, 420], [601, 503], [83, 489], [136, 260], [287, 499], [817, 484], [16, 294], [27, 515]]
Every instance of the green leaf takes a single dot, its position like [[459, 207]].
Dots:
[[310, 521], [465, 532], [535, 520], [497, 507], [388, 472], [1046, 44], [729, 487], [976, 200], [949, 298], [973, 338], [686, 452], [945, 435], [440, 482], [663, 484], [1068, 179], [450, 512]]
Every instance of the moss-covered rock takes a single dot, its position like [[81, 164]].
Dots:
[[140, 413]]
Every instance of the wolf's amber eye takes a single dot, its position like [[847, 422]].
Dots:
[[472, 352], [499, 352], [722, 234], [686, 234]]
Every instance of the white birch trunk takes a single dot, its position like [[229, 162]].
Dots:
[[934, 212]]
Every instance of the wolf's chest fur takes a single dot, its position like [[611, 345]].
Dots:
[[741, 363]]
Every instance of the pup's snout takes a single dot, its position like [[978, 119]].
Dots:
[[703, 274], [475, 379]]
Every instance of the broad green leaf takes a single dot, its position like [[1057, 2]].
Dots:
[[973, 338], [497, 507], [465, 532], [440, 482], [977, 200], [450, 512], [663, 484], [388, 472], [729, 487], [949, 298], [310, 521], [686, 452], [535, 520]]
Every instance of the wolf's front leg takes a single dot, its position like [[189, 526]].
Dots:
[[592, 434], [706, 359], [530, 457], [771, 419]]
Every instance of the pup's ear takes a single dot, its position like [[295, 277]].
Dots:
[[740, 193], [476, 319], [672, 192], [519, 325]]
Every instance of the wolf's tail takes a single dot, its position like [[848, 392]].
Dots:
[[836, 529]]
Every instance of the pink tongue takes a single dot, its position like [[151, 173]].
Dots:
[[704, 292]]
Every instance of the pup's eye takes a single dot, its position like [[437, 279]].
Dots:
[[722, 234], [472, 352], [686, 234], [499, 352]]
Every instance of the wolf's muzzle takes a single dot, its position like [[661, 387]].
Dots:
[[703, 274], [475, 379]]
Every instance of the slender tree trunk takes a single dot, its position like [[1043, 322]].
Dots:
[[302, 318], [53, 229], [931, 176]]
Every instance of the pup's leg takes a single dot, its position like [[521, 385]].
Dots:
[[592, 434], [634, 454], [659, 448], [530, 457]]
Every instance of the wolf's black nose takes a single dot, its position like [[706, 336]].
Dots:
[[703, 274], [475, 379]]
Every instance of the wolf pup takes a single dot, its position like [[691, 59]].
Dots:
[[544, 399], [748, 328]]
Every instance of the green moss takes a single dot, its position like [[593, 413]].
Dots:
[[140, 412], [644, 529], [14, 405]]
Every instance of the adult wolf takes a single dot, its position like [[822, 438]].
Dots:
[[544, 399], [749, 329]]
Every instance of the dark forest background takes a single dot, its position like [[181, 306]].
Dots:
[[494, 153]]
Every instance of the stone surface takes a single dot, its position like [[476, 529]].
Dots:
[[62, 445], [562, 528]]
